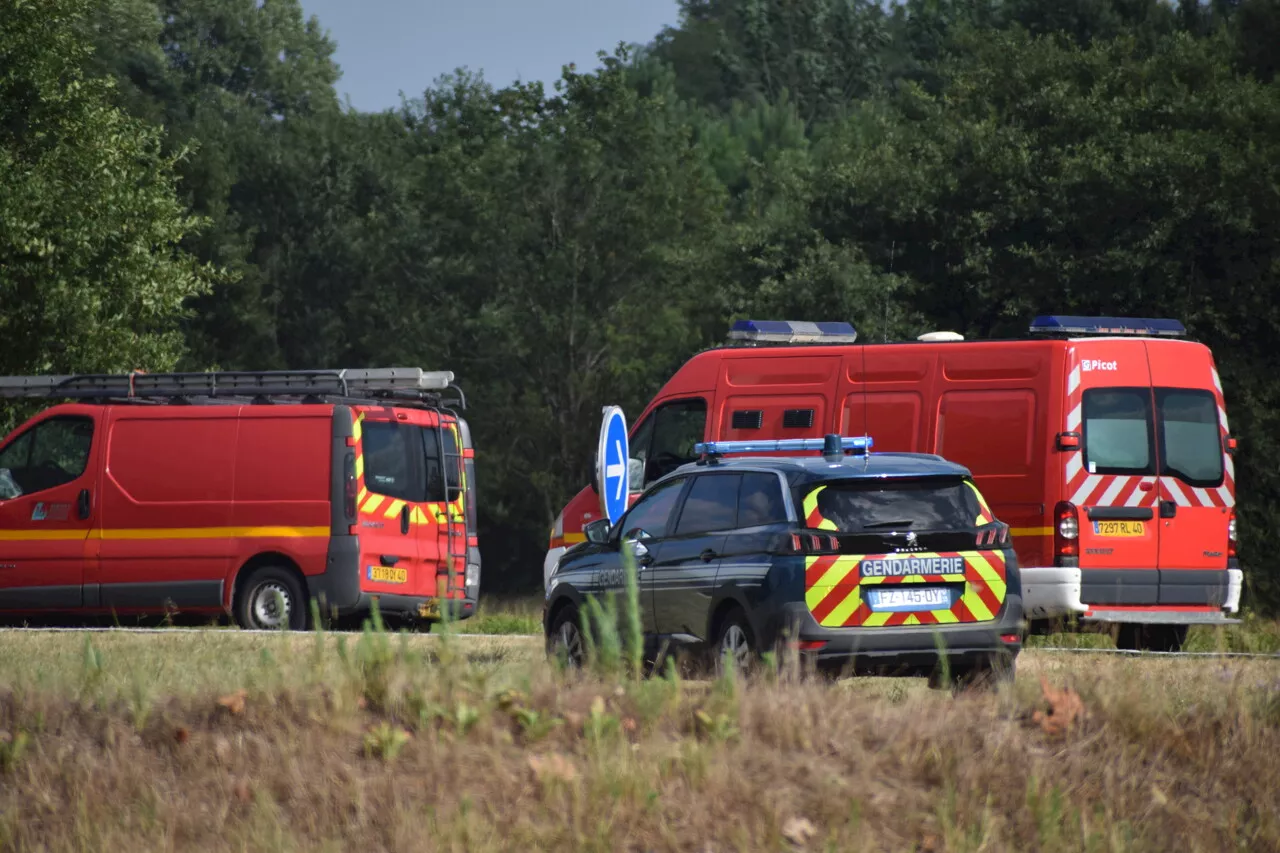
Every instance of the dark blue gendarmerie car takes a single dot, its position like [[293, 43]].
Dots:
[[868, 562]]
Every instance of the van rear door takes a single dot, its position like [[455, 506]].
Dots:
[[1112, 479], [390, 468], [1196, 488]]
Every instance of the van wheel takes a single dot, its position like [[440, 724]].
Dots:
[[271, 599]]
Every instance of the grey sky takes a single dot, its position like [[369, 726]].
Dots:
[[389, 46]]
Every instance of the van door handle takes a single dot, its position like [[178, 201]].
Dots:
[[389, 559], [84, 504], [404, 519], [1168, 509], [708, 555]]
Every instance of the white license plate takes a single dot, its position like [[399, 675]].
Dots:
[[901, 598]]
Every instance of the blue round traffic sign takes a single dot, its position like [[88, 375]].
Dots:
[[612, 462]]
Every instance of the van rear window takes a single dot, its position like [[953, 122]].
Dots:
[[393, 464], [934, 504], [1190, 440], [1117, 431]]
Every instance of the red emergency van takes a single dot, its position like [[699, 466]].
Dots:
[[248, 493], [1103, 442]]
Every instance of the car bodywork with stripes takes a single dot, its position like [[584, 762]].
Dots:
[[143, 506], [823, 569], [1108, 455]]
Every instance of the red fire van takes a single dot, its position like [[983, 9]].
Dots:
[[1103, 442], [250, 493]]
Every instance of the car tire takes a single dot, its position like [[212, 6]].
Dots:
[[735, 638], [566, 637], [271, 598]]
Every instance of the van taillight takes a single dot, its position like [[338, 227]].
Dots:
[[349, 487], [1231, 535], [1066, 530]]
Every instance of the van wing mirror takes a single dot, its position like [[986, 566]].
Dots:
[[1068, 441], [635, 475], [9, 488]]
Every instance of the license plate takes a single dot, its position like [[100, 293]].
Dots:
[[386, 574], [911, 599], [1119, 528]]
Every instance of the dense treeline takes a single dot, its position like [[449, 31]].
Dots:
[[182, 186]]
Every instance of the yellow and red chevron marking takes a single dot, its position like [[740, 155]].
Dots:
[[985, 515], [812, 518], [833, 590]]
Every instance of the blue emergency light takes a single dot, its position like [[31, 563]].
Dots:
[[1062, 324], [831, 445], [792, 332]]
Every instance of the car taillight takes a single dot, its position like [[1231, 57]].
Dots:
[[1066, 530], [349, 487], [812, 543], [994, 535], [1231, 535]]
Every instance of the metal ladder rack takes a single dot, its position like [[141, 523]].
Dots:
[[391, 383]]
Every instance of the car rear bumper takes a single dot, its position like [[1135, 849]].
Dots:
[[906, 647]]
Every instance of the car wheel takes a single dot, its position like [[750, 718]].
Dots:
[[271, 599], [565, 637], [735, 644]]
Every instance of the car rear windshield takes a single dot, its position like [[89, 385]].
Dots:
[[857, 506]]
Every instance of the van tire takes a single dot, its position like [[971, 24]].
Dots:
[[262, 594]]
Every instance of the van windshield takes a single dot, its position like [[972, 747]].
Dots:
[[934, 504]]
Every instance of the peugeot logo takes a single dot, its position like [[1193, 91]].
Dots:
[[911, 539]]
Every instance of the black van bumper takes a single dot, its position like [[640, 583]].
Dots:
[[915, 648], [337, 590]]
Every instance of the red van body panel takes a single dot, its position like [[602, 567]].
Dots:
[[176, 501], [998, 408]]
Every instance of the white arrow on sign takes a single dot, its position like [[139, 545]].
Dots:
[[616, 469]]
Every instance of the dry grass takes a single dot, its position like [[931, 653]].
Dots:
[[141, 742]]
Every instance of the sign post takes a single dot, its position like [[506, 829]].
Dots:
[[612, 463]]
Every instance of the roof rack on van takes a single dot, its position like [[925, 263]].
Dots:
[[407, 383], [791, 332], [1060, 324], [831, 446]]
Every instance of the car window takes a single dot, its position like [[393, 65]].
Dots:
[[1117, 431], [1190, 439], [51, 454], [857, 506], [652, 512], [668, 443], [392, 454], [712, 504], [760, 501]]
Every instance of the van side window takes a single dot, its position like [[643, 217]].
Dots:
[[760, 501], [391, 466], [1190, 440], [664, 441], [1117, 431], [51, 454]]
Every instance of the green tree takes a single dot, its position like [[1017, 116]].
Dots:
[[91, 274]]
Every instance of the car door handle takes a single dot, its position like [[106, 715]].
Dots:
[[404, 519], [389, 559], [708, 555], [645, 560]]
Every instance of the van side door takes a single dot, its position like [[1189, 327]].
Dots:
[[48, 477]]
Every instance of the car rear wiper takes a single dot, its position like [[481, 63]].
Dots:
[[906, 522]]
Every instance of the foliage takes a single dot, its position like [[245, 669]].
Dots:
[[914, 165]]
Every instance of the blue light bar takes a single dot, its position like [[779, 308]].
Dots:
[[861, 444], [792, 332], [1061, 324]]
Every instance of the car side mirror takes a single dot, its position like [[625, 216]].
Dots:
[[597, 532]]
